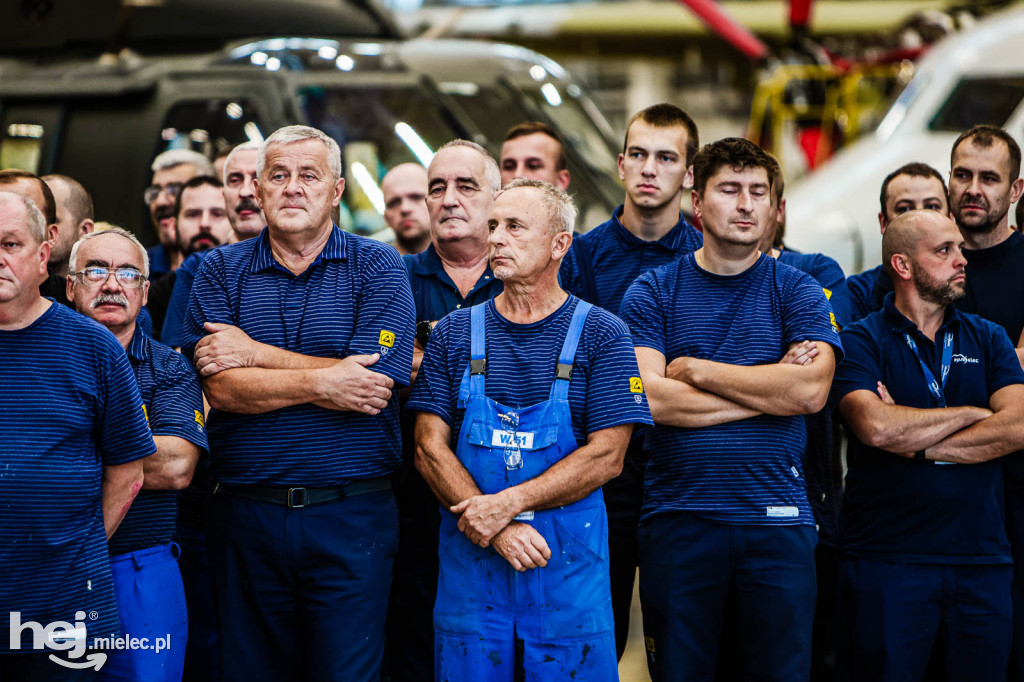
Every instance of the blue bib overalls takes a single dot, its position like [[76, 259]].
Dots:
[[552, 623]]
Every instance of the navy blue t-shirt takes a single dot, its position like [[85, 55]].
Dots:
[[521, 360], [69, 406], [747, 472], [173, 403], [867, 291], [603, 262], [177, 306], [827, 272], [352, 299], [903, 510]]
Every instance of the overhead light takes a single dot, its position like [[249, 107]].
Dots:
[[258, 58], [273, 64], [538, 73], [252, 131], [345, 63], [327, 52], [369, 186], [550, 93], [24, 130], [366, 49], [414, 142], [233, 110]]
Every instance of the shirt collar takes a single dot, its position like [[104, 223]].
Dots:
[[138, 347], [429, 264], [263, 255], [674, 239], [898, 322]]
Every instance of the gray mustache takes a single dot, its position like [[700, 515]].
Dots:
[[116, 299]]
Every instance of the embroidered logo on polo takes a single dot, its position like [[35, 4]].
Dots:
[[145, 412], [637, 387], [386, 341], [961, 359], [199, 419]]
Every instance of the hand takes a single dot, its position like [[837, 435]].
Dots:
[[349, 385], [802, 353], [522, 546], [883, 393], [225, 347], [679, 369], [483, 516]]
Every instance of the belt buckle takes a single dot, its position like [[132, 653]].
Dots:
[[299, 493]]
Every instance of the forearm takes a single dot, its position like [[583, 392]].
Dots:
[[1020, 356], [777, 389], [254, 390], [172, 466], [574, 476], [120, 484], [996, 436], [272, 357], [675, 403], [443, 472], [902, 429]]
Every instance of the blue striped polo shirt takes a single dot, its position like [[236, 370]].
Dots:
[[603, 262], [747, 472], [352, 299], [174, 407], [904, 510], [827, 272], [69, 406], [521, 361]]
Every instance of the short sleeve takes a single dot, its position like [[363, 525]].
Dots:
[[122, 433], [208, 302], [643, 313], [435, 390], [615, 394], [177, 405], [861, 368], [386, 318], [807, 315], [831, 278]]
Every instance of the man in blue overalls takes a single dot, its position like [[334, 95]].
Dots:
[[548, 390]]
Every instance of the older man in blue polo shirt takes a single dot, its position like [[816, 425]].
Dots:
[[74, 434], [526, 404], [721, 338], [932, 396], [300, 335], [451, 274], [108, 282]]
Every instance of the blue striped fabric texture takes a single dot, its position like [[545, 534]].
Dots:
[[730, 473], [69, 406], [174, 406], [521, 360], [355, 291]]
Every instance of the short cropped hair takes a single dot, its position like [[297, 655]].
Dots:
[[667, 115], [290, 134], [119, 231], [983, 136], [34, 220], [79, 203], [735, 152], [560, 205], [179, 157], [538, 127], [250, 145], [197, 181], [491, 171], [13, 176], [914, 169]]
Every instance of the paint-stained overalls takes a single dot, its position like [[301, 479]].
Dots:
[[490, 621]]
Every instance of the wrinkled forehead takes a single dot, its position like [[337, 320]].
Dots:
[[456, 162], [300, 153], [112, 250], [243, 161]]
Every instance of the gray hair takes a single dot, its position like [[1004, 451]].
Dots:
[[34, 220], [560, 205], [245, 146], [120, 232], [290, 134], [179, 157], [491, 171]]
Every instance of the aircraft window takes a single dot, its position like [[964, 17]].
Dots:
[[377, 129], [207, 126], [21, 147], [976, 101]]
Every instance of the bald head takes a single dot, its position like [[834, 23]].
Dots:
[[405, 209], [922, 249]]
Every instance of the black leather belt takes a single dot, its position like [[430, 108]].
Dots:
[[298, 497]]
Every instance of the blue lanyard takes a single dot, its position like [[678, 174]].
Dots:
[[937, 390]]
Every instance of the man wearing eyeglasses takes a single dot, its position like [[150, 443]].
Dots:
[[171, 170], [74, 436], [108, 283]]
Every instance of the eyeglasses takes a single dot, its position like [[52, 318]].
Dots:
[[94, 275], [513, 456], [153, 191]]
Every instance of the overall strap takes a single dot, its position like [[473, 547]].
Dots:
[[477, 348], [563, 371]]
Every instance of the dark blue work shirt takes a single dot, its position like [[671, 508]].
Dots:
[[903, 510], [159, 261], [826, 272], [352, 299], [177, 306], [434, 293], [603, 262], [173, 403], [69, 406], [867, 291], [745, 472]]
